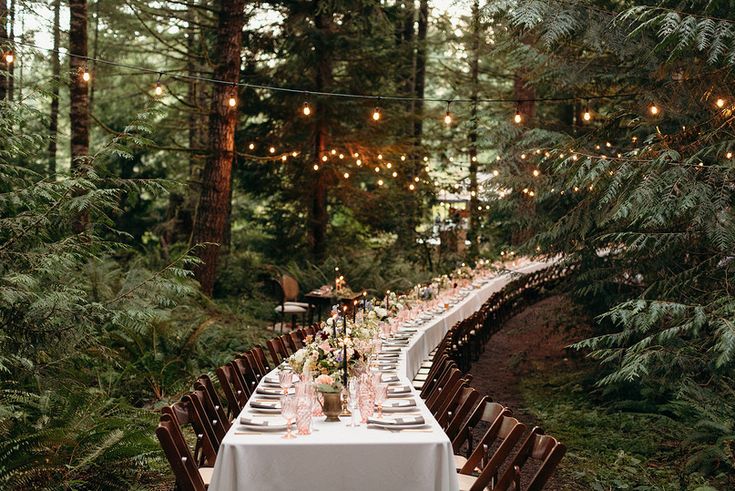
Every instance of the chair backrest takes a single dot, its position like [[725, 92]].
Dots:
[[277, 351], [289, 343], [218, 421], [447, 381], [185, 413], [506, 430], [297, 339], [290, 287], [212, 404], [449, 411], [258, 371], [244, 375], [235, 395], [537, 446], [259, 354], [179, 455], [436, 372], [448, 398]]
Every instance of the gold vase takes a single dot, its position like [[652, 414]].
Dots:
[[331, 406]]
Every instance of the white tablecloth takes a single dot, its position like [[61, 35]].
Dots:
[[337, 457], [433, 332]]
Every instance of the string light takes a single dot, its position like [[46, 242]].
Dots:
[[380, 182], [306, 110], [272, 150], [86, 75], [347, 175], [653, 109], [294, 154], [416, 178], [377, 169], [251, 146], [518, 119], [158, 90], [720, 102], [728, 155], [448, 115], [587, 116], [358, 162], [324, 158], [316, 166], [403, 158], [284, 158], [232, 102], [376, 114], [536, 173], [389, 165], [333, 152], [395, 174], [411, 187], [9, 57]]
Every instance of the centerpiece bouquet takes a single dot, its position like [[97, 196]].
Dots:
[[336, 351]]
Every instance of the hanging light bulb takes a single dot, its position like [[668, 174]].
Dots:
[[158, 90], [403, 158], [9, 57], [324, 158], [447, 118], [587, 115], [376, 114], [232, 102], [86, 75], [653, 109], [306, 109], [316, 166], [395, 174], [347, 175], [251, 146], [358, 162], [411, 187], [416, 179], [518, 119], [294, 154], [380, 182], [272, 150], [389, 165], [720, 102]]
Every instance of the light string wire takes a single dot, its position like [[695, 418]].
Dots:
[[315, 93]]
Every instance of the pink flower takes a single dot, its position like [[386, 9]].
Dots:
[[324, 379], [325, 347]]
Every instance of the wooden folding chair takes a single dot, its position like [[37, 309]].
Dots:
[[185, 413], [506, 430], [189, 477], [539, 447], [235, 395], [213, 409], [245, 374], [449, 378], [262, 360], [289, 343], [487, 412], [449, 410]]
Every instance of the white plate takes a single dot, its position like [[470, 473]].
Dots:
[[272, 427], [398, 427]]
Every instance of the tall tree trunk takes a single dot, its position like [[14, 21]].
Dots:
[[95, 39], [524, 93], [79, 96], [473, 231], [211, 214], [53, 126], [11, 38], [4, 45], [318, 213]]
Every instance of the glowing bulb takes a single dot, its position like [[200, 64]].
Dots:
[[411, 187], [9, 58], [496, 173], [474, 159], [341, 156], [316, 166], [447, 119], [347, 175], [653, 109], [284, 158], [380, 156], [380, 182], [272, 149], [518, 119], [377, 169], [720, 102], [536, 173], [587, 116], [333, 152], [395, 174], [523, 156], [358, 162], [324, 158], [232, 102], [251, 146], [608, 144], [416, 178], [403, 158], [158, 90], [294, 154], [376, 114], [531, 193], [355, 154], [728, 155], [426, 159], [86, 76], [389, 165]]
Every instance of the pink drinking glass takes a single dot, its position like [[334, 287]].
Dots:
[[285, 380], [366, 401], [381, 394], [304, 405], [288, 411]]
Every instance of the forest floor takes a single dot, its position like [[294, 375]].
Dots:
[[528, 368]]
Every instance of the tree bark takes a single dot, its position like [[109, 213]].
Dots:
[[211, 216], [318, 212], [79, 96], [473, 231], [420, 77], [11, 38], [95, 39], [3, 46], [53, 127]]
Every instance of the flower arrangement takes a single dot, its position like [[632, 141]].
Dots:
[[326, 357]]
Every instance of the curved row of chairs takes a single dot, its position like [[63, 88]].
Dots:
[[489, 463], [191, 430]]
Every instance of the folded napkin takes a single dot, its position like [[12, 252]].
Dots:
[[400, 403], [404, 389], [389, 355], [405, 420], [273, 391], [244, 420], [265, 405], [390, 378]]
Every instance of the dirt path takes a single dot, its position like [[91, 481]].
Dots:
[[531, 343]]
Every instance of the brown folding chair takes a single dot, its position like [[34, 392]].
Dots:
[[188, 476], [257, 368], [288, 343], [445, 399], [276, 350], [506, 430], [438, 394], [185, 413], [236, 396], [245, 374], [435, 375], [449, 410], [297, 340], [214, 411], [487, 412], [540, 447], [262, 360]]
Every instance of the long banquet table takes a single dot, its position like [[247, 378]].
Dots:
[[337, 457]]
